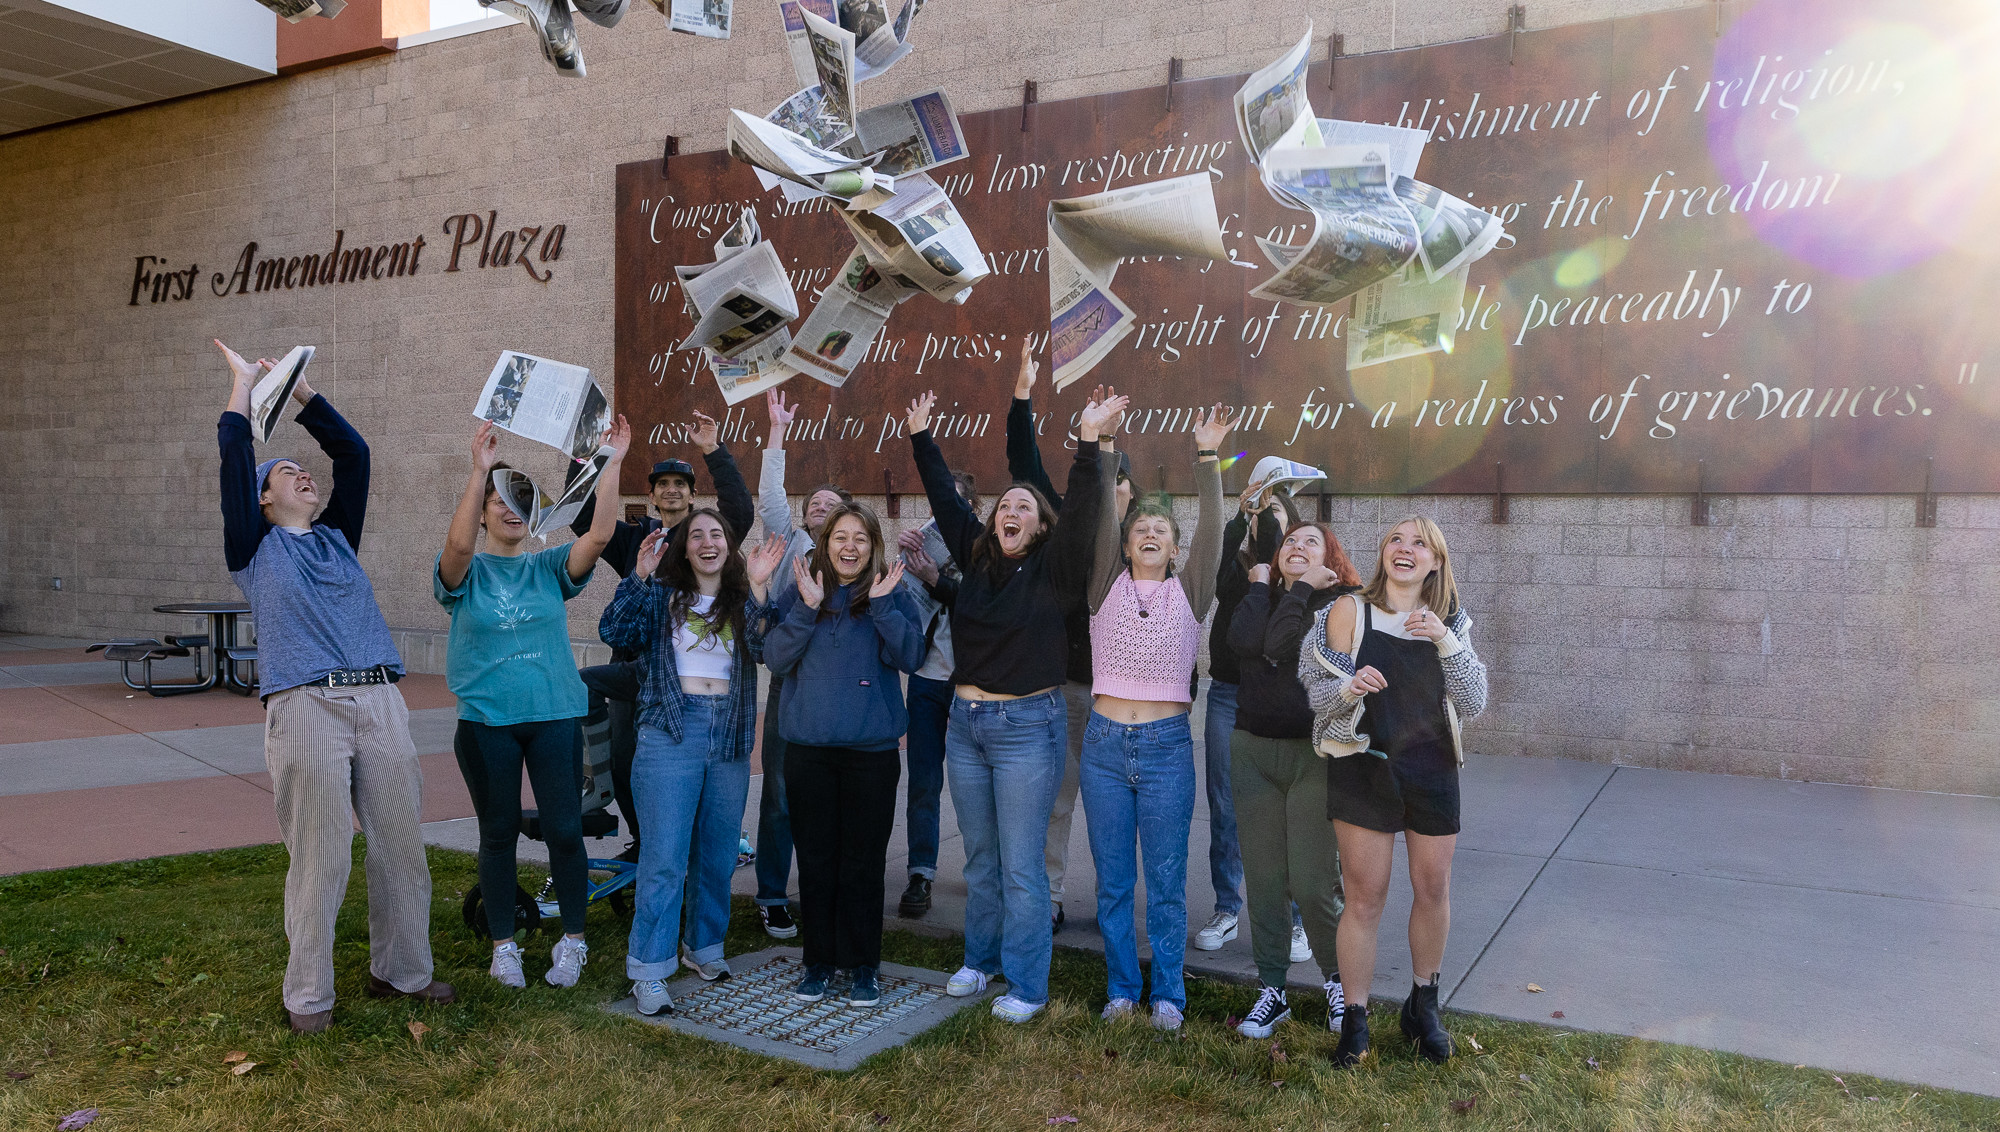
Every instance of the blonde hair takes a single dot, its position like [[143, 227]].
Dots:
[[1440, 592]]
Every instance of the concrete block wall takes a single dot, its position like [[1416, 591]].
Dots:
[[1798, 637]]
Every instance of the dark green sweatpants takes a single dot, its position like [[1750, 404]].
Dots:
[[1288, 850]]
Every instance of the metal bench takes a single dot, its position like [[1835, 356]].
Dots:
[[143, 651]]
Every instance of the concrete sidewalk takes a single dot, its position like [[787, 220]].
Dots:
[[1840, 927]]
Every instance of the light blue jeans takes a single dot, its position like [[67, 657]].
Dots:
[[1137, 783], [690, 796], [1225, 859], [1004, 760]]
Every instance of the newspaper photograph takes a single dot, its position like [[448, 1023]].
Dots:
[[805, 114], [851, 310], [1400, 146], [911, 136], [274, 389], [797, 44], [526, 498], [919, 237], [1450, 232], [707, 18], [295, 10], [546, 401], [753, 371], [742, 300], [1271, 100], [1362, 231], [833, 58], [1089, 236], [878, 40], [1404, 315]]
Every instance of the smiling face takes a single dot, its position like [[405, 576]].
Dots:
[[849, 548], [1017, 521], [1302, 550], [672, 497], [818, 507], [1150, 545], [1407, 557], [290, 496], [707, 546], [504, 529]]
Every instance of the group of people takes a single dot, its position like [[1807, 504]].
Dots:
[[1049, 651]]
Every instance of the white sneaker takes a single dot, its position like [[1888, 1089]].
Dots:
[[567, 962], [652, 996], [1007, 1008], [1220, 929], [1264, 1017], [506, 966], [1302, 949], [967, 983], [1118, 1008], [1166, 1016], [1336, 1001], [709, 972]]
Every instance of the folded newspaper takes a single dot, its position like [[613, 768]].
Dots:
[[1089, 236], [919, 240], [754, 363], [1272, 99], [851, 310], [542, 514], [708, 18], [547, 401], [295, 10], [1276, 474], [879, 39], [1362, 231], [778, 153], [797, 43], [268, 397]]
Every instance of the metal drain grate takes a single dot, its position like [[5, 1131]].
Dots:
[[760, 1003]]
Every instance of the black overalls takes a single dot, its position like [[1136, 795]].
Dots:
[[1415, 787]]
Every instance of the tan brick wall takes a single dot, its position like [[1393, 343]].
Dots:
[[1824, 638]]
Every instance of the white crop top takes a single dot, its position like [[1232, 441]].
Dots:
[[699, 651]]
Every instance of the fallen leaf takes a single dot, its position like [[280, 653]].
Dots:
[[1277, 1053], [78, 1119], [1557, 1014], [1526, 1080], [1533, 989], [1592, 1062], [417, 1031], [1464, 1105], [1277, 1084], [1064, 1119], [17, 1075], [1231, 1021], [234, 1056], [1474, 1043], [244, 1067]]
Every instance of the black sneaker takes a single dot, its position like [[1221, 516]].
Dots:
[[1055, 919], [917, 898], [1264, 1017], [863, 991], [778, 922]]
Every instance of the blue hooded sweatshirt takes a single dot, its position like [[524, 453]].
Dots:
[[841, 684]]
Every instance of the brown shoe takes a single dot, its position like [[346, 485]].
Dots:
[[437, 992], [310, 1023]]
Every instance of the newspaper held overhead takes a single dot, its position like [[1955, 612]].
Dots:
[[797, 43], [918, 239], [852, 309], [1277, 474], [1405, 315], [1089, 236], [526, 498], [707, 18], [267, 399], [295, 10], [780, 154], [546, 401], [1272, 99]]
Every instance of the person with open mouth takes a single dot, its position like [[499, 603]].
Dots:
[[520, 701], [1137, 770], [1396, 658], [1291, 868], [839, 641], [1004, 746], [700, 626]]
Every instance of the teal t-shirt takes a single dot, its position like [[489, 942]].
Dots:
[[510, 658]]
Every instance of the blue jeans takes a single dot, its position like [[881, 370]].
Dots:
[[774, 816], [691, 794], [1005, 759], [1137, 784], [930, 710], [1225, 859]]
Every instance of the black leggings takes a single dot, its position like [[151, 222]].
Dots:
[[843, 806], [491, 758]]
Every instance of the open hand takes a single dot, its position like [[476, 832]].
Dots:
[[242, 371], [886, 584], [1024, 377], [618, 436], [1212, 428], [918, 417], [921, 565], [781, 414], [1110, 428], [810, 591], [763, 562], [1366, 682], [651, 550], [1096, 415], [706, 432], [485, 448]]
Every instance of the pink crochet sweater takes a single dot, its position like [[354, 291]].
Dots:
[[1151, 658]]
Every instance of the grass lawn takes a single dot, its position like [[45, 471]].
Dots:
[[123, 987]]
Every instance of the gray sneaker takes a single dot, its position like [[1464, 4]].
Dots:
[[551, 23], [603, 13], [506, 966], [567, 962], [709, 972], [652, 996]]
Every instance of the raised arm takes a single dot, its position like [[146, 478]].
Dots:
[[957, 522], [584, 551], [348, 508], [1073, 544], [1108, 558], [461, 539], [1024, 455], [1205, 552], [772, 504], [243, 524]]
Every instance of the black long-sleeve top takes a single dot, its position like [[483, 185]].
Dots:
[[1024, 464], [1232, 581], [1008, 622], [732, 498], [1264, 638], [243, 522]]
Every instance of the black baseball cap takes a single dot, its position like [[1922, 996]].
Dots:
[[679, 468], [1124, 464]]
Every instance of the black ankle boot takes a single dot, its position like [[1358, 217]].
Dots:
[[1353, 1036], [1421, 1024]]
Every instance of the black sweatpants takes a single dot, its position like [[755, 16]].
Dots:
[[843, 806], [491, 759]]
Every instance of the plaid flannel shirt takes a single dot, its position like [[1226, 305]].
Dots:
[[637, 619]]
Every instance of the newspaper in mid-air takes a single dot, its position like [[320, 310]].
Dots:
[[546, 401], [805, 114], [852, 309], [1089, 236], [742, 300], [1450, 232], [879, 39], [756, 363], [1362, 231], [268, 397], [796, 41], [833, 61], [1400, 146], [1404, 315], [295, 10], [912, 135], [918, 239], [779, 154], [526, 498], [708, 18], [1272, 99]]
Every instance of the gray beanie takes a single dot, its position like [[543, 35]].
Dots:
[[264, 470]]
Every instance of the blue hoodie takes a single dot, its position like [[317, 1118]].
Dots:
[[841, 685]]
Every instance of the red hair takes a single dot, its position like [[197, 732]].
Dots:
[[1336, 557]]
